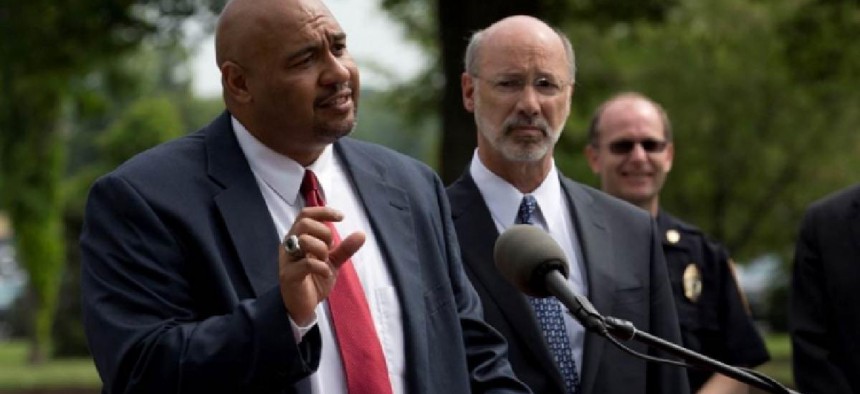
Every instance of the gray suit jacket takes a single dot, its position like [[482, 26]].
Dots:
[[626, 276], [179, 276]]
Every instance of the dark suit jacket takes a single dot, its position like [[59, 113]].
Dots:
[[626, 277], [825, 301], [179, 276]]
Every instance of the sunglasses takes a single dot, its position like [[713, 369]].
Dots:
[[625, 146]]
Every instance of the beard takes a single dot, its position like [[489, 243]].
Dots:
[[520, 148]]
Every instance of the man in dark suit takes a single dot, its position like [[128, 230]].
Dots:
[[824, 320], [519, 83], [188, 288]]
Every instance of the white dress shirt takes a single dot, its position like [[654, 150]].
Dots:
[[279, 179], [553, 215]]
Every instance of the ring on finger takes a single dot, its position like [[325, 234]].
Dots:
[[292, 247]]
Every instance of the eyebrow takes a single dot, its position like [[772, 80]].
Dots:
[[314, 46], [339, 36]]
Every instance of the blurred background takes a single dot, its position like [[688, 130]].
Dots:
[[762, 95]]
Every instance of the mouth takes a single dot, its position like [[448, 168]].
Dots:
[[637, 176], [526, 132], [340, 101]]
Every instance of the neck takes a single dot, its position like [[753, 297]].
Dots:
[[651, 206], [524, 176]]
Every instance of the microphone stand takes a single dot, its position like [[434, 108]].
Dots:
[[586, 314]]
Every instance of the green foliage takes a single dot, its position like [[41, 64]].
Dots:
[[750, 153], [146, 123], [47, 47], [378, 123]]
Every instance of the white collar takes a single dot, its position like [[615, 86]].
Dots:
[[281, 173], [503, 199]]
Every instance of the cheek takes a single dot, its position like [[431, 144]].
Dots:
[[557, 112]]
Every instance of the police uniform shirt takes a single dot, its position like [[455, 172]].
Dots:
[[714, 318]]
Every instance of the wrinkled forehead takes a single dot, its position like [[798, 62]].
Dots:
[[516, 51], [257, 29]]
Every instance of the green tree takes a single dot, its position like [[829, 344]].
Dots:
[[760, 94], [46, 46], [755, 143]]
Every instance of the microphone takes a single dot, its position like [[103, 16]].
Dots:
[[534, 263]]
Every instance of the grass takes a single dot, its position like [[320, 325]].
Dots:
[[779, 366], [16, 373]]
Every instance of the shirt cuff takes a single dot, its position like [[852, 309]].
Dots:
[[299, 331]]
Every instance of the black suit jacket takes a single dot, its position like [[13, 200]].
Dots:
[[626, 277], [825, 302], [179, 276]]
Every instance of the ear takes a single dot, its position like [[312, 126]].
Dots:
[[593, 156], [467, 84], [670, 155], [234, 82]]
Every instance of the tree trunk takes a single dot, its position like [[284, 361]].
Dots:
[[457, 20]]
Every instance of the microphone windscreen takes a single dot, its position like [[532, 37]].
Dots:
[[524, 254]]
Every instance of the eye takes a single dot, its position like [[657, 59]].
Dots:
[[304, 60], [547, 85], [508, 84], [338, 48]]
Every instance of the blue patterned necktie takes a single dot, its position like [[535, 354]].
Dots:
[[549, 315]]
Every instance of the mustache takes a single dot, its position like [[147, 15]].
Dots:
[[335, 91], [537, 122]]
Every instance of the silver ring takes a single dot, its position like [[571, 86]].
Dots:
[[292, 247]]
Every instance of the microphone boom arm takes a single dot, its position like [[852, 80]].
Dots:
[[587, 315]]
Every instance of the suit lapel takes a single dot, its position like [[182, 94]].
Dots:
[[388, 210], [242, 207], [598, 259], [477, 232]]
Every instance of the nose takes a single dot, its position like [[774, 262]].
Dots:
[[336, 70], [638, 153], [528, 103]]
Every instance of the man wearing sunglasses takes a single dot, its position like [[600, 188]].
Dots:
[[630, 148]]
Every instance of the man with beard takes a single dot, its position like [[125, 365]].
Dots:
[[212, 264], [518, 82], [630, 147]]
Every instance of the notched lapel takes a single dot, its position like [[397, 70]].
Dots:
[[389, 212], [477, 232], [594, 240], [242, 207]]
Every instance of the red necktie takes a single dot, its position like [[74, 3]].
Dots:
[[363, 361]]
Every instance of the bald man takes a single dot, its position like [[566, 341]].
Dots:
[[268, 253], [630, 148], [518, 83]]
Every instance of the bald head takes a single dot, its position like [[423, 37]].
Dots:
[[512, 31], [286, 74], [246, 22], [627, 102]]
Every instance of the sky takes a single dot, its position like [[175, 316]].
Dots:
[[374, 39]]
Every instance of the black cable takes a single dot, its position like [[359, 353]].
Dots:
[[779, 387]]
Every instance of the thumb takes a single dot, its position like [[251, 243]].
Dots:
[[346, 248]]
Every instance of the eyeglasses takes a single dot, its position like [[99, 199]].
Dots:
[[625, 146], [546, 85]]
